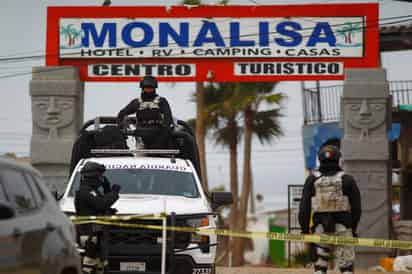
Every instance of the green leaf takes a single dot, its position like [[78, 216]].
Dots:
[[192, 2]]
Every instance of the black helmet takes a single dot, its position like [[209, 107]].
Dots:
[[92, 169], [148, 81], [329, 154]]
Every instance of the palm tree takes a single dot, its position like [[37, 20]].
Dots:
[[223, 109], [348, 30], [220, 120], [76, 34], [266, 126], [224, 105], [201, 132], [200, 117], [70, 33], [65, 31]]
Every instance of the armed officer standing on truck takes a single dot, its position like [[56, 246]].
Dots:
[[152, 111], [332, 200], [89, 201]]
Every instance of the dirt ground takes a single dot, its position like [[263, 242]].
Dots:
[[270, 270]]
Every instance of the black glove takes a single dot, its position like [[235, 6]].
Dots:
[[116, 188], [112, 211], [106, 184]]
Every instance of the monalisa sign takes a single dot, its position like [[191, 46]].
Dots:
[[215, 43], [221, 38]]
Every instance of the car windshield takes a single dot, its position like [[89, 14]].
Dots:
[[149, 181]]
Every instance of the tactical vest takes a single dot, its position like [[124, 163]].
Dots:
[[148, 114], [329, 195]]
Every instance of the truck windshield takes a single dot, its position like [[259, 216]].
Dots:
[[148, 181]]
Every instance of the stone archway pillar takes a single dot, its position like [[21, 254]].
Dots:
[[57, 101], [366, 119]]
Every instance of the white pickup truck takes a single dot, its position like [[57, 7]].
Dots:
[[152, 185]]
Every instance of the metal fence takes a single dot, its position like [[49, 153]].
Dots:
[[294, 197], [401, 92], [324, 106]]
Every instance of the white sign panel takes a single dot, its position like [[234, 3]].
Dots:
[[223, 37], [149, 166], [288, 68], [138, 70]]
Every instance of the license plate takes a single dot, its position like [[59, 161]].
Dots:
[[133, 266]]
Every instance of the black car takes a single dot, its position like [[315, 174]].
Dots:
[[35, 236]]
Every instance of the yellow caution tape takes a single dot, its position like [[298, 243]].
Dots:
[[118, 217], [309, 238]]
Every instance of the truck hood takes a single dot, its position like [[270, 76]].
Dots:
[[149, 204]]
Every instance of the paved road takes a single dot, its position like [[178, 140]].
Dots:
[[267, 270]]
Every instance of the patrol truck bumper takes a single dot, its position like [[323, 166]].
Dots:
[[180, 264]]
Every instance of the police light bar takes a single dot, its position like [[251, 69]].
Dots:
[[135, 151]]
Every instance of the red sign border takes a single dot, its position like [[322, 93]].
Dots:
[[218, 66]]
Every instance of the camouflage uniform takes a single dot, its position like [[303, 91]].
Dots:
[[332, 200]]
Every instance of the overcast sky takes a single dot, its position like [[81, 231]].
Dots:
[[22, 29]]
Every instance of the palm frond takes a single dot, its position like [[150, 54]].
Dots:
[[266, 125], [275, 98], [223, 134]]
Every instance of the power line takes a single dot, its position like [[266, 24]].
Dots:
[[24, 52], [229, 37], [406, 18], [29, 58], [18, 59]]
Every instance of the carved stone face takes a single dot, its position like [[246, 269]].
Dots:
[[366, 114], [53, 112]]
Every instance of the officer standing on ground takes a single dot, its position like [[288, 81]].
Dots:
[[333, 201], [152, 111], [89, 201]]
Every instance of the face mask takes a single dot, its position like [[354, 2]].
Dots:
[[100, 178]]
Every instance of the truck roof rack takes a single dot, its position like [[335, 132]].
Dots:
[[103, 137], [104, 120], [136, 152]]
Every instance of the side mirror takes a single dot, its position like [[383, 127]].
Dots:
[[221, 199], [6, 211]]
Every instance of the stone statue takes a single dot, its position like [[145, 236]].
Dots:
[[366, 118], [52, 113], [57, 113], [366, 115]]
